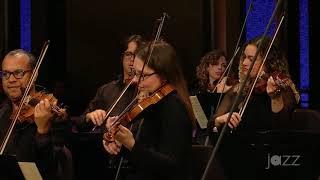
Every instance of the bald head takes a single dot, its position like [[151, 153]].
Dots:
[[21, 54]]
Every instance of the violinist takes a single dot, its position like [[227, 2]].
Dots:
[[269, 108], [270, 105], [210, 85], [162, 148], [209, 72], [36, 140], [97, 109]]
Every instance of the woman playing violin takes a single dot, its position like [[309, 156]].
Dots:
[[30, 140], [210, 70], [211, 85], [162, 150], [269, 106]]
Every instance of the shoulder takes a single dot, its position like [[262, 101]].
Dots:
[[110, 85], [171, 104], [5, 107], [171, 98], [4, 103], [171, 110]]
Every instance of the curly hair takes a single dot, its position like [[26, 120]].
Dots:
[[276, 62], [202, 73]]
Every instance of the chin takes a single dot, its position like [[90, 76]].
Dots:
[[14, 95], [216, 78]]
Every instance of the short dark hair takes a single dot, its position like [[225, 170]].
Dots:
[[138, 39], [17, 52]]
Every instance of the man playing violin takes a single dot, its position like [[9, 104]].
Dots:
[[161, 149], [269, 108], [107, 94], [35, 140]]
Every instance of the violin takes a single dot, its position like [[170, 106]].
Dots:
[[126, 117], [228, 81], [281, 80], [27, 111]]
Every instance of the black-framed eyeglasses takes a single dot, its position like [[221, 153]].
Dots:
[[18, 74], [143, 75], [128, 55]]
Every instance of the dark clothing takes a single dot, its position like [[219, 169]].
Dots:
[[209, 102], [29, 146], [242, 150], [2, 98], [88, 141], [163, 149], [258, 114], [106, 95]]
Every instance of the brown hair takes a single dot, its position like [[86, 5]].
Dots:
[[275, 62], [165, 62], [138, 39], [202, 74]]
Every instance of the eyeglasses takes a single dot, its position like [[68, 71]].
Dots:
[[143, 76], [18, 74], [128, 55]]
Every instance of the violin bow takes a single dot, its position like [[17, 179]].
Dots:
[[116, 102], [236, 50], [151, 45]]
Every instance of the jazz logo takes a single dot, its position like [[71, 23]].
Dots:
[[283, 160]]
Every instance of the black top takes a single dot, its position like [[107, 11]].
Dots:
[[104, 98], [163, 149], [243, 155], [258, 114], [29, 146], [209, 102]]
